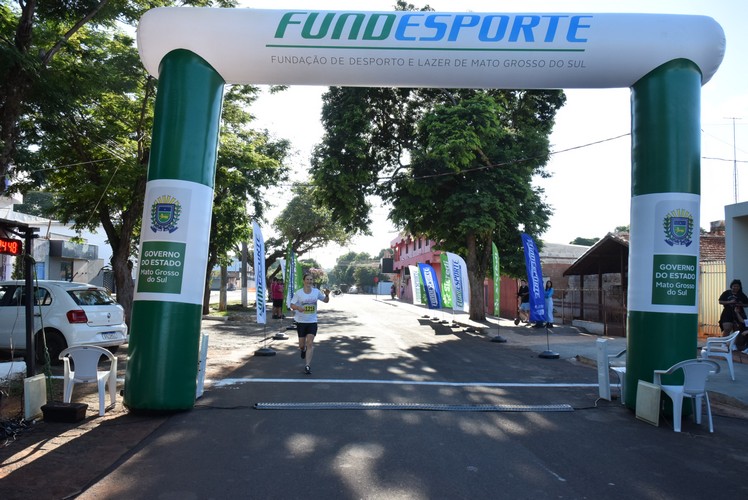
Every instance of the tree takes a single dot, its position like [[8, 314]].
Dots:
[[345, 268], [455, 165], [304, 225], [85, 140], [248, 163], [34, 33], [37, 203], [364, 275], [584, 241]]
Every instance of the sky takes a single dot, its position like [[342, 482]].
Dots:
[[590, 187]]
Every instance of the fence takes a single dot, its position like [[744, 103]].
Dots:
[[608, 306], [711, 285]]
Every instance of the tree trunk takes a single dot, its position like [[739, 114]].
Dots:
[[122, 269], [477, 264], [208, 278], [222, 296]]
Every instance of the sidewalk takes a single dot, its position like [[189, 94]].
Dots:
[[571, 343]]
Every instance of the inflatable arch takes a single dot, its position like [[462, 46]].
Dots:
[[664, 59]]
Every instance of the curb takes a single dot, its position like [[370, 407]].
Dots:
[[208, 317]]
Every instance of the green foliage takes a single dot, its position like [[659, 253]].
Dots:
[[456, 166], [347, 266], [305, 225], [36, 203], [76, 116], [248, 163], [584, 241], [364, 275]]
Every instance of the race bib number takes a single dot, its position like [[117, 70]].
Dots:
[[309, 309]]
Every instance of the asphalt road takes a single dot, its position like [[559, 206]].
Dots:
[[401, 407]]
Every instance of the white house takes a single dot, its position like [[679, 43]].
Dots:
[[56, 256]]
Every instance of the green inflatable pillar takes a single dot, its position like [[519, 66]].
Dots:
[[167, 307], [664, 245]]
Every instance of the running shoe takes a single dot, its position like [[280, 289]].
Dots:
[[308, 370]]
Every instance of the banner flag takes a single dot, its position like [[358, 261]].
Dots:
[[460, 285], [282, 262], [415, 284], [446, 282], [431, 286], [534, 279], [496, 280], [288, 277], [298, 277], [260, 294]]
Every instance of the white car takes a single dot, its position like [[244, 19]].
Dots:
[[353, 289], [69, 313]]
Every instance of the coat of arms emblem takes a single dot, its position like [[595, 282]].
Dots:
[[165, 213], [678, 226]]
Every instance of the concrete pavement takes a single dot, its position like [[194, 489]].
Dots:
[[378, 351], [570, 343]]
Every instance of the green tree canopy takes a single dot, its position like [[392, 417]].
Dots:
[[34, 34], [456, 166], [85, 140], [305, 225], [584, 241]]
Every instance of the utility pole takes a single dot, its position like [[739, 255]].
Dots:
[[734, 161]]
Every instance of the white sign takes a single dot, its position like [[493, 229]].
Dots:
[[431, 49]]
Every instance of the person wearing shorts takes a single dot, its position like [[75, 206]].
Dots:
[[304, 305], [524, 302], [276, 294]]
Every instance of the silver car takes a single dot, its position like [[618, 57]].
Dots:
[[68, 313]]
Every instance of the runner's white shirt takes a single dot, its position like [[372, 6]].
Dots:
[[309, 302]]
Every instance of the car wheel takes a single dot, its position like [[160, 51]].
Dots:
[[55, 345]]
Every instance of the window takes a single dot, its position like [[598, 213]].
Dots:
[[91, 297], [6, 291], [66, 271], [41, 296]]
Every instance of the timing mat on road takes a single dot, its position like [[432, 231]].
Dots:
[[411, 406], [249, 380]]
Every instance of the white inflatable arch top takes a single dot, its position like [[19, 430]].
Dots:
[[431, 49]]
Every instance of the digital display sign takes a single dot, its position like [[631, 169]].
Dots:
[[9, 246]]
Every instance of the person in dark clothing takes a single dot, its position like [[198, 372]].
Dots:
[[733, 315], [524, 302], [733, 301]]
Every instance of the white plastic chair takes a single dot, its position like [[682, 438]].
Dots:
[[86, 370], [620, 371], [695, 373], [721, 347]]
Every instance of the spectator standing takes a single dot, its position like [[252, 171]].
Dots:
[[524, 302], [276, 295], [549, 304]]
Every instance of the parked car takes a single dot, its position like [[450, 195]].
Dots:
[[353, 289], [69, 313]]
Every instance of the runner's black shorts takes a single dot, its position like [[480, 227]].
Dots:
[[304, 329], [277, 302]]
